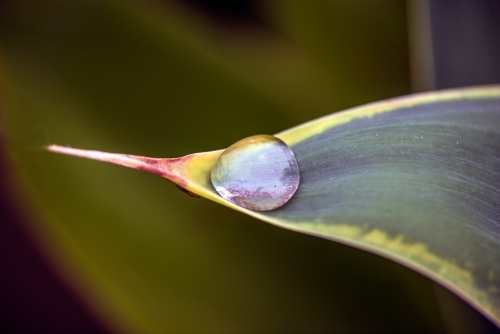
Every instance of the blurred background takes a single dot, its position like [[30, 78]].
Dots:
[[89, 247]]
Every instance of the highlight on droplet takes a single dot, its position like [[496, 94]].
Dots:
[[259, 173]]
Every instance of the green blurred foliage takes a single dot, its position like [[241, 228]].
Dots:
[[168, 79]]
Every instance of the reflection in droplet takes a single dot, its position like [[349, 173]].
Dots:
[[258, 173]]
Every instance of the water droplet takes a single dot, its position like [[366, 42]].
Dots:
[[258, 173]]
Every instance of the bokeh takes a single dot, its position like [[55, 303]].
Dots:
[[94, 247]]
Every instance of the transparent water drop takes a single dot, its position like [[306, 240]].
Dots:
[[259, 173]]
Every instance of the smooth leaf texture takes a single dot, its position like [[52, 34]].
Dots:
[[162, 79], [414, 179]]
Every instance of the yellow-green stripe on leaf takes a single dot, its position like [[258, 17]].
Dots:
[[414, 179]]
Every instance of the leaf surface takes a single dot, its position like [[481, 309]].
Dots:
[[152, 79], [414, 179]]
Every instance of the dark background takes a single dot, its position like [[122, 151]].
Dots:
[[86, 247]]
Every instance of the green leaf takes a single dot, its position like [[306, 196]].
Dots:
[[414, 179], [161, 79]]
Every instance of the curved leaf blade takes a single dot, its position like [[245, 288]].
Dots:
[[414, 179]]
